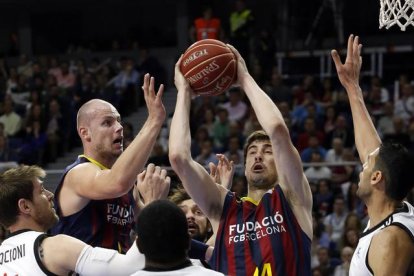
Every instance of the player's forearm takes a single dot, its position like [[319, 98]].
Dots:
[[366, 136], [180, 136], [267, 113], [134, 158]]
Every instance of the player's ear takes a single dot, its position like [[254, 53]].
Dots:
[[376, 177], [84, 133], [24, 206]]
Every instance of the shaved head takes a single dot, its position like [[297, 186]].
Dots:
[[88, 110]]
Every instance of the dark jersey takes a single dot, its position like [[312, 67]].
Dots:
[[261, 238], [104, 223]]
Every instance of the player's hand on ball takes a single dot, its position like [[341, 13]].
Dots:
[[242, 70]]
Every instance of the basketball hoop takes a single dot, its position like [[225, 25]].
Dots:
[[400, 12]]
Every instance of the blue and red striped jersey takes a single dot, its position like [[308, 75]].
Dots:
[[104, 223], [261, 238]]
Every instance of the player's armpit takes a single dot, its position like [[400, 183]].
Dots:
[[391, 252]]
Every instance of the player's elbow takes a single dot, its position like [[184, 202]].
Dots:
[[178, 160], [279, 130]]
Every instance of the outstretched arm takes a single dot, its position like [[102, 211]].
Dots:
[[366, 136], [196, 180], [287, 159], [62, 254]]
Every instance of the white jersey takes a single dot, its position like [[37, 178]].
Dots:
[[19, 254], [186, 271], [403, 218]]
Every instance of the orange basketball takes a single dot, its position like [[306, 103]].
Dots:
[[209, 66]]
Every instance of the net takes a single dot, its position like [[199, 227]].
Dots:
[[396, 12]]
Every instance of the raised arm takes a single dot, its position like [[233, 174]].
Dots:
[[196, 180], [366, 136], [89, 181], [287, 159]]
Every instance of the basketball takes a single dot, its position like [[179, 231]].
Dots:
[[209, 66]]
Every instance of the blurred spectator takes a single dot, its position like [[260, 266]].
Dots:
[[326, 263], [221, 129], [208, 120], [317, 172], [313, 146], [320, 238], [352, 221], [126, 83], [236, 108], [277, 90], [385, 122], [329, 120], [335, 221], [241, 28], [350, 238], [206, 26], [201, 135], [148, 63], [264, 49], [207, 154], [25, 66], [6, 154], [323, 197], [346, 256], [234, 148], [158, 156], [341, 130], [329, 95], [308, 131], [65, 79], [404, 106], [251, 124], [57, 136], [11, 120], [399, 135]]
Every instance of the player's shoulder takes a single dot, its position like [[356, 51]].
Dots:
[[392, 235]]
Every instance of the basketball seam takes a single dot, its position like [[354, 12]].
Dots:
[[201, 63], [207, 44]]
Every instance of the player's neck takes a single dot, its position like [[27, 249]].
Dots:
[[256, 194], [379, 208]]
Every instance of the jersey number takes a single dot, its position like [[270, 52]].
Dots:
[[267, 270]]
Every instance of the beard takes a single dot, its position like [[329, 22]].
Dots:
[[47, 220], [262, 181]]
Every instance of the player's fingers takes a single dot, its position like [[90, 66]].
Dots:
[[350, 49], [157, 170], [163, 173], [212, 168], [150, 169], [177, 64], [160, 91], [355, 48], [336, 59], [151, 85], [146, 83], [141, 176]]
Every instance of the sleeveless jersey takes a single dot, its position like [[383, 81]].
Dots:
[[403, 218], [207, 28], [19, 254], [261, 239], [104, 223]]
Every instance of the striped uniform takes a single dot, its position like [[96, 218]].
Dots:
[[403, 218], [261, 239], [104, 223]]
